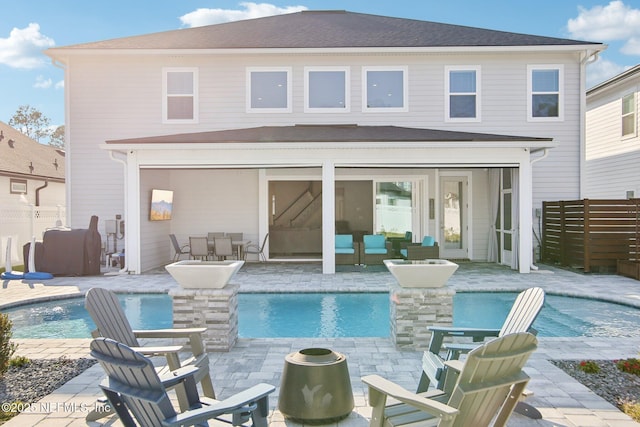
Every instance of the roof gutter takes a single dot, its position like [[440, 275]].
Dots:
[[72, 51]]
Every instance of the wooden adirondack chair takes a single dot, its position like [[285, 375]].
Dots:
[[136, 392], [105, 310], [490, 382], [523, 313]]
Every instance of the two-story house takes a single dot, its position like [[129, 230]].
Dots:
[[612, 140], [301, 124]]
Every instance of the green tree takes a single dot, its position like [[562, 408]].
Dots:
[[56, 139], [31, 122]]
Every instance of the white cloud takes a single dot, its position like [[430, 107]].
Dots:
[[615, 21], [60, 85], [602, 70], [201, 17], [23, 48], [632, 46], [42, 83]]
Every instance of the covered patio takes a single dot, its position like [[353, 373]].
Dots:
[[231, 172]]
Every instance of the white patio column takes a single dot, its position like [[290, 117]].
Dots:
[[328, 217], [526, 211], [131, 213]]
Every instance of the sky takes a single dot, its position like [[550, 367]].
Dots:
[[28, 27]]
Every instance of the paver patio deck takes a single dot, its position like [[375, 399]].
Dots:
[[562, 400]]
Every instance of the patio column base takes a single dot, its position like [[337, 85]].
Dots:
[[214, 309], [413, 310]]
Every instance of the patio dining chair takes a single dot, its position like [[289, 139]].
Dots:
[[179, 249], [257, 250], [223, 248], [199, 248]]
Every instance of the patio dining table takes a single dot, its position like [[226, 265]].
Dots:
[[239, 246]]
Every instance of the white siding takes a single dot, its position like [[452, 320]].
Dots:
[[117, 97], [612, 162]]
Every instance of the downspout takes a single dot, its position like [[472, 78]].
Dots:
[[46, 184], [545, 153], [124, 268]]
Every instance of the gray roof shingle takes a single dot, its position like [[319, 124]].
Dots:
[[326, 29], [21, 156], [325, 133]]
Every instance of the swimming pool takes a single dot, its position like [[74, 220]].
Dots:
[[332, 315]]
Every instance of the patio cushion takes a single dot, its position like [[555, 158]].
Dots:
[[428, 241], [374, 244], [344, 244], [345, 251]]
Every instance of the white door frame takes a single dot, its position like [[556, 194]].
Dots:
[[466, 232]]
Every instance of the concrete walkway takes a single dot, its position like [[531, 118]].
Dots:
[[563, 401]]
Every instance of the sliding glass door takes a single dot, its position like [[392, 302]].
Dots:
[[395, 210]]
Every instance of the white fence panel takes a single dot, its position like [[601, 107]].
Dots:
[[21, 223]]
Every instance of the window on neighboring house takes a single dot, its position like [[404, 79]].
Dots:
[[462, 93], [545, 85], [629, 115], [180, 95], [327, 89], [385, 89], [269, 90]]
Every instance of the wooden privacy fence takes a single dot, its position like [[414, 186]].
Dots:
[[591, 234]]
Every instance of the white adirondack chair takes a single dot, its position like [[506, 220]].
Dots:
[[488, 387], [523, 313], [111, 322], [136, 392]]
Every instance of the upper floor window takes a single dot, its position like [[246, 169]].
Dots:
[[269, 90], [180, 87], [545, 85], [326, 89], [629, 115], [462, 94], [385, 89]]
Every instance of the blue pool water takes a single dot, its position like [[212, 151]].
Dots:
[[332, 315]]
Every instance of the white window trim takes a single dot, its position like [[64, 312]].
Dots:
[[250, 70], [534, 67], [635, 114], [447, 94], [165, 95], [347, 90], [405, 90]]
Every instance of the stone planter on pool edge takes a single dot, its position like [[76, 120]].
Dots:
[[195, 274], [428, 273]]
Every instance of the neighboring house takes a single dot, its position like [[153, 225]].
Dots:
[[32, 189], [612, 154], [294, 124]]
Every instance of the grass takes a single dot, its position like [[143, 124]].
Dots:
[[632, 409], [14, 268]]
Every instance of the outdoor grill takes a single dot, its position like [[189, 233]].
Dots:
[[315, 387]]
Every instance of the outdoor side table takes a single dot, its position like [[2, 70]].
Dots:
[[315, 386]]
